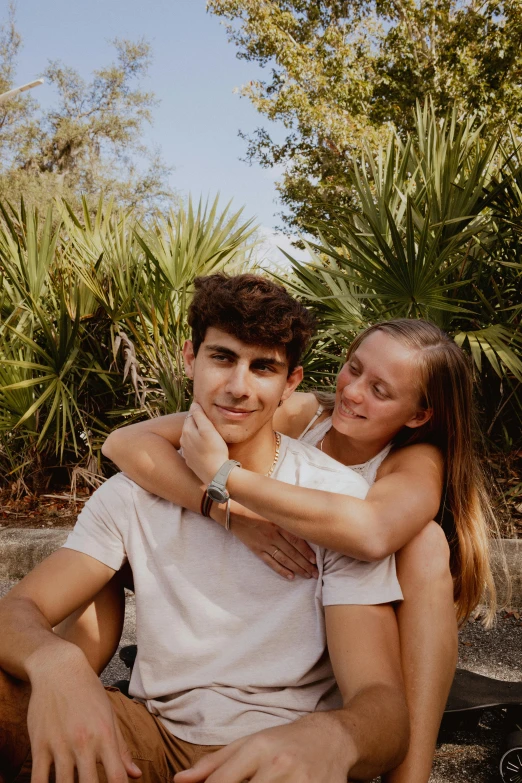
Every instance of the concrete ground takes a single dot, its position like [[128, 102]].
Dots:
[[466, 757]]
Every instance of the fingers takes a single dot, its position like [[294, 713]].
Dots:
[[289, 563], [114, 768], [239, 768], [64, 770], [199, 418], [87, 773], [41, 766], [288, 556], [189, 426], [301, 545], [228, 765], [276, 566], [133, 771], [207, 765], [116, 758]]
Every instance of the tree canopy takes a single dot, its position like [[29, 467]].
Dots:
[[340, 72], [91, 140]]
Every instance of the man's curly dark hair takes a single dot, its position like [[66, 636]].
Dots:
[[252, 309]]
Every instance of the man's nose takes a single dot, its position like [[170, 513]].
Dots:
[[237, 382]]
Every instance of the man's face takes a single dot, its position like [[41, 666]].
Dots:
[[239, 386]]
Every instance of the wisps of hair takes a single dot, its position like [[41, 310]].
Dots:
[[253, 309]]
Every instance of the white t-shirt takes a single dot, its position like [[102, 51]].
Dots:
[[226, 647]]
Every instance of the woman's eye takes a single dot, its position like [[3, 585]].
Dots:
[[380, 392], [353, 369]]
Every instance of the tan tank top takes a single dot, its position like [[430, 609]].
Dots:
[[367, 470]]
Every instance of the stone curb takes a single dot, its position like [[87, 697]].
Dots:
[[21, 549]]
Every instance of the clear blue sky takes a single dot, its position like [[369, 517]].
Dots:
[[194, 72]]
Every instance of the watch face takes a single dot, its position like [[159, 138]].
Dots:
[[217, 494]]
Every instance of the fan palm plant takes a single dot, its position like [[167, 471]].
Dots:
[[77, 294], [431, 239]]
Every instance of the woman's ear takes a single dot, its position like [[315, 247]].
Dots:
[[421, 417], [189, 358]]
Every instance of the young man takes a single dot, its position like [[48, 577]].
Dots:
[[229, 653]]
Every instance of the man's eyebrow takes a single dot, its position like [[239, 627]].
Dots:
[[221, 349], [258, 360], [269, 360]]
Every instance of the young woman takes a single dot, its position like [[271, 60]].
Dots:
[[402, 416]]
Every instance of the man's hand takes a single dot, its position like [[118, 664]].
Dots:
[[204, 450], [311, 749], [72, 725]]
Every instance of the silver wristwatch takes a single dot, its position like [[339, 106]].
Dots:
[[217, 489]]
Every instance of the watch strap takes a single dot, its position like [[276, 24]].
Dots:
[[219, 482], [224, 472]]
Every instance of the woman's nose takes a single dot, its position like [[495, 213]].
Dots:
[[353, 391]]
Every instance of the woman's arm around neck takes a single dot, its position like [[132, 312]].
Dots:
[[405, 497], [147, 451]]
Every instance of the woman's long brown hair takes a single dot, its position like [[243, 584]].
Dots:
[[446, 387]]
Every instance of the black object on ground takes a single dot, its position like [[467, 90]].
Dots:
[[470, 696], [511, 760], [128, 655]]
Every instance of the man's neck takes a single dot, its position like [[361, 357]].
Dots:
[[257, 453]]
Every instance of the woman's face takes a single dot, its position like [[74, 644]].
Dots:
[[378, 390]]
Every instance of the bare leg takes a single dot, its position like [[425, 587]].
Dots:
[[428, 635], [14, 739], [96, 627]]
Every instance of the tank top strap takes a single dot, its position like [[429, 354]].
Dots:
[[312, 421], [313, 437]]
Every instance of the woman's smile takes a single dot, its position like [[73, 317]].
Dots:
[[345, 410]]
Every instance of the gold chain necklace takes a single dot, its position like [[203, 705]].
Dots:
[[276, 455]]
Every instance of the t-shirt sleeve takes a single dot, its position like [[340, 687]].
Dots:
[[100, 528], [349, 581]]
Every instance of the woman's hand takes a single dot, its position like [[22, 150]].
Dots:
[[263, 538], [204, 450]]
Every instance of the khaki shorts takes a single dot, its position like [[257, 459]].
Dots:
[[154, 750]]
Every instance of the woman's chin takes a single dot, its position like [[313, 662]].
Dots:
[[346, 425]]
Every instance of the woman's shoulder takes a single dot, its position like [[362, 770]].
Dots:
[[295, 413], [416, 458]]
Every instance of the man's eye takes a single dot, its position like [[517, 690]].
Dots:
[[220, 357]]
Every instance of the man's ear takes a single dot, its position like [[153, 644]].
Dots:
[[292, 382], [421, 417], [189, 358]]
